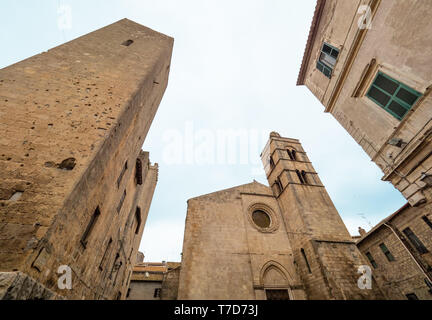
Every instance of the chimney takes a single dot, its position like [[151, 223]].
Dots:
[[361, 231]]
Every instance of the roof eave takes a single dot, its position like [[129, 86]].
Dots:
[[311, 38]]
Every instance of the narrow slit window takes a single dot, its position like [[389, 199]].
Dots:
[[427, 221], [371, 260], [119, 179], [138, 218], [104, 257], [415, 241], [300, 177], [327, 59], [122, 199], [290, 154], [386, 252], [306, 260], [90, 227], [393, 96], [272, 164], [294, 154], [279, 189], [303, 175], [138, 172], [279, 183]]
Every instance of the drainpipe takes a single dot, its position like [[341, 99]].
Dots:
[[409, 252]]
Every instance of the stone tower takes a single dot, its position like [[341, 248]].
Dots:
[[75, 187], [326, 258]]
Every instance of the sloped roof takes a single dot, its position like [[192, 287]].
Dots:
[[248, 187], [381, 223], [311, 38]]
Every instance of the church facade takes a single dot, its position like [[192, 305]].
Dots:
[[283, 242]]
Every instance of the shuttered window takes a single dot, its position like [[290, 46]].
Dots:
[[327, 59], [393, 96]]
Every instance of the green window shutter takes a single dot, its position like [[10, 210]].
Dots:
[[386, 252], [393, 96], [327, 59], [371, 260]]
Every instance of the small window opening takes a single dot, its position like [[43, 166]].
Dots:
[[290, 154], [272, 164], [122, 173], [127, 43], [415, 241], [157, 293], [303, 175], [67, 164], [371, 260], [306, 260], [138, 172], [104, 258], [427, 221], [90, 227], [279, 183], [16, 196], [411, 296], [138, 218], [386, 252], [122, 199], [300, 177], [327, 59]]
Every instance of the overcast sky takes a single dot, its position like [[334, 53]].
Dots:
[[234, 69]]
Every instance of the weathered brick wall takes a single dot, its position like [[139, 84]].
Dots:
[[170, 284], [19, 286], [93, 100], [406, 274]]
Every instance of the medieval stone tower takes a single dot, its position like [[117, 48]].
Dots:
[[75, 187], [326, 258]]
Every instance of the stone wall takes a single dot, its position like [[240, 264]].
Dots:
[[19, 286], [406, 273], [170, 284], [325, 255], [388, 47], [226, 255], [73, 123], [144, 290]]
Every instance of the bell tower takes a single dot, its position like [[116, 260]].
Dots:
[[326, 257]]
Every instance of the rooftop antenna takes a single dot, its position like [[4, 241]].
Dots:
[[362, 215]]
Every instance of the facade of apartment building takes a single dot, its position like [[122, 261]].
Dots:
[[368, 62]]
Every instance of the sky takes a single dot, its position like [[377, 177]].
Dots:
[[232, 81]]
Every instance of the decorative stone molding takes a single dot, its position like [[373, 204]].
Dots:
[[274, 221]]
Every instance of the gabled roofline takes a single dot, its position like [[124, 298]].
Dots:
[[382, 222], [311, 39]]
